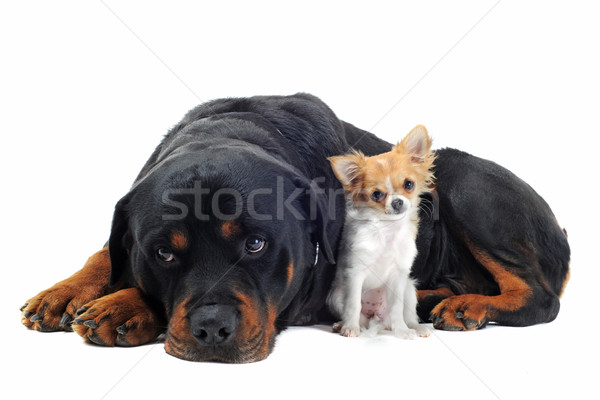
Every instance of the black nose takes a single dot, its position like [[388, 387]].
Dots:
[[214, 325], [397, 205]]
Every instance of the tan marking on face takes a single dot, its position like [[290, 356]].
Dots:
[[178, 240], [230, 228], [562, 290], [290, 273], [270, 330], [179, 331], [253, 320]]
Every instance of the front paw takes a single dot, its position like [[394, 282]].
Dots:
[[54, 309], [422, 331], [337, 326], [405, 333], [347, 330], [122, 319]]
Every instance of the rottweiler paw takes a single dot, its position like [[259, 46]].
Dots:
[[54, 309], [461, 313], [119, 319]]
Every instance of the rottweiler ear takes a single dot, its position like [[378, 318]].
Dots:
[[119, 241], [316, 207]]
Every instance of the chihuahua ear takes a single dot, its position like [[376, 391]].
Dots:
[[347, 168], [417, 143]]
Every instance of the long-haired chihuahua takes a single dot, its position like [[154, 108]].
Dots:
[[373, 289]]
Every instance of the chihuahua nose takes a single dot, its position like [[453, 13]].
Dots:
[[397, 205]]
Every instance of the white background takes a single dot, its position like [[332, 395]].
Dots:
[[88, 88]]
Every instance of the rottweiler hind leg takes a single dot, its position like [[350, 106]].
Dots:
[[54, 309], [522, 300]]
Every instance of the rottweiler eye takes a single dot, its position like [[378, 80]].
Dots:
[[255, 244], [377, 195], [409, 185], [165, 254]]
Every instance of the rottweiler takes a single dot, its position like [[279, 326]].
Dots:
[[229, 234]]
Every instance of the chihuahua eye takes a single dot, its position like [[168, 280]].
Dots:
[[377, 195], [165, 254], [255, 244], [409, 185]]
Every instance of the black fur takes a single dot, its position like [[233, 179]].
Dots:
[[261, 142]]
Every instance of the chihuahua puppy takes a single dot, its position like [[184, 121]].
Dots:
[[373, 289]]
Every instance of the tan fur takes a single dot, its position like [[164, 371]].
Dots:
[[179, 240], [410, 159], [385, 190]]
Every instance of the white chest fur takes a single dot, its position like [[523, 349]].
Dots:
[[377, 247]]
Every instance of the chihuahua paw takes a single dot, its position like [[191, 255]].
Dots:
[[350, 330], [422, 331], [409, 334]]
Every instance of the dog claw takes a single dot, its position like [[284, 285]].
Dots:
[[23, 306], [77, 321], [81, 311], [27, 314], [122, 329], [470, 324], [91, 324], [65, 320], [96, 339], [121, 341], [452, 328], [36, 318], [459, 315]]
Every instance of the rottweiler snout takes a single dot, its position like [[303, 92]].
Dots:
[[214, 325]]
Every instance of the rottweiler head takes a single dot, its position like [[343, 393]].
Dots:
[[224, 237]]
